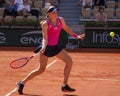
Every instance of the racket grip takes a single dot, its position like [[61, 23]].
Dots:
[[37, 49]]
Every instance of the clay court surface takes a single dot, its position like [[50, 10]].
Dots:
[[96, 72]]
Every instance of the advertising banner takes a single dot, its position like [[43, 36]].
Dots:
[[100, 38], [25, 37], [20, 37]]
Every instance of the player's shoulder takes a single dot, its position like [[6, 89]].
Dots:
[[61, 19]]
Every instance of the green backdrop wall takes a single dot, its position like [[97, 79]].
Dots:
[[25, 37], [95, 37]]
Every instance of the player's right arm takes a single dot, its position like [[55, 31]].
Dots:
[[44, 35]]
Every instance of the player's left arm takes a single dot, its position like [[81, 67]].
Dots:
[[69, 31]]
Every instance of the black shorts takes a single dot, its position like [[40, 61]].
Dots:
[[52, 50]]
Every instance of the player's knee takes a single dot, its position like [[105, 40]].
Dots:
[[41, 70], [70, 62]]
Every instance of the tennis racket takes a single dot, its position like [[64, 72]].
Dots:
[[20, 62]]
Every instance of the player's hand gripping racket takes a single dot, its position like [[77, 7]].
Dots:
[[20, 62]]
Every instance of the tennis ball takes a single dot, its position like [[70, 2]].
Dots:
[[112, 34]]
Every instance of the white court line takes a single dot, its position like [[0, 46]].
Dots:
[[8, 94], [101, 79], [89, 79], [50, 64], [94, 60]]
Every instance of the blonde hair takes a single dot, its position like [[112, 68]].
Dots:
[[41, 22]]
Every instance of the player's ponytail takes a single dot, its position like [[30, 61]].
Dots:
[[41, 22]]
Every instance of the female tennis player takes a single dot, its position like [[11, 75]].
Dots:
[[51, 28]]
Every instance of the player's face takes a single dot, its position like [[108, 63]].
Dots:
[[53, 14]]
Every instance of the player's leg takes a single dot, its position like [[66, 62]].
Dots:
[[63, 55], [68, 61], [41, 68]]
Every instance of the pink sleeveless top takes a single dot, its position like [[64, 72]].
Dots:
[[53, 32]]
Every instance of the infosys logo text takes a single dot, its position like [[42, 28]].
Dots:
[[105, 38]]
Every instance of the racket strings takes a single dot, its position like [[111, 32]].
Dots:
[[19, 63]]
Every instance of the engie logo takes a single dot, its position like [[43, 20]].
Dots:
[[2, 38], [32, 37], [105, 38]]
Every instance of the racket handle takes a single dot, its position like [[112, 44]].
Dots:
[[37, 49]]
